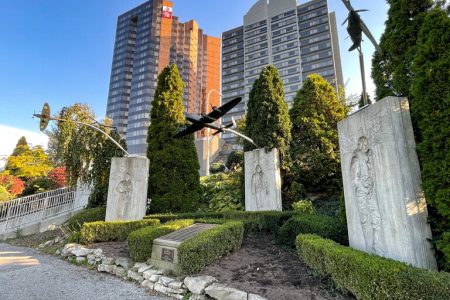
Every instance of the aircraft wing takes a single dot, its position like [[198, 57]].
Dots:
[[188, 130], [219, 112]]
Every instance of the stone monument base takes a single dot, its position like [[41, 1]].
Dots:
[[164, 250], [262, 180], [127, 192], [384, 201]]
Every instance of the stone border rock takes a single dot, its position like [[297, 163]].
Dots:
[[198, 287]]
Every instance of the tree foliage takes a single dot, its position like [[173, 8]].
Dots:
[[85, 152], [361, 101], [58, 176], [391, 69], [314, 147], [267, 120], [12, 184], [4, 194], [431, 112], [174, 182], [30, 164], [21, 146]]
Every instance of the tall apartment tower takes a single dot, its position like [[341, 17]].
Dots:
[[148, 38], [299, 39]]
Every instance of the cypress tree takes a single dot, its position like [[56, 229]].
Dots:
[[174, 181], [391, 69], [267, 120], [21, 146], [314, 147], [431, 111]]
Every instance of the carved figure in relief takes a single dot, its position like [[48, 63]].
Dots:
[[363, 179], [124, 189], [259, 186]]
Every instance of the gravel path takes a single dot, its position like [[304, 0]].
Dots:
[[28, 274]]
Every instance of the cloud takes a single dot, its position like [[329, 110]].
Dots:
[[10, 135]]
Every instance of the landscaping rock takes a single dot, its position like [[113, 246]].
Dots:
[[145, 283], [80, 259], [148, 273], [98, 252], [255, 297], [144, 268], [168, 291], [48, 243], [177, 296], [135, 276], [108, 260], [198, 284], [120, 272], [81, 251], [124, 262], [137, 266], [165, 280], [106, 268], [68, 248], [175, 284], [154, 278], [197, 297], [58, 252], [222, 292]]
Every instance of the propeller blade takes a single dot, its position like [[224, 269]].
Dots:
[[360, 10], [346, 19]]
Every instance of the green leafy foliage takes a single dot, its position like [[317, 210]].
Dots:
[[235, 160], [267, 120], [431, 112], [140, 242], [314, 147], [391, 69], [304, 206], [324, 226], [38, 185], [216, 168], [223, 191], [369, 276], [4, 194], [86, 215], [165, 217], [101, 231], [208, 246], [361, 101], [29, 163], [21, 146], [174, 181]]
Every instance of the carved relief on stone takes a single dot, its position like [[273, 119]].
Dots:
[[125, 190], [364, 184], [259, 186]]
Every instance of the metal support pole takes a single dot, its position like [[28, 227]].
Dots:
[[363, 76], [241, 135]]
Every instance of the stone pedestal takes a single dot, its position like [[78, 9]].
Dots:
[[385, 205], [262, 180], [127, 192], [165, 248]]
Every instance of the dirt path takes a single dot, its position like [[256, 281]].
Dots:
[[263, 268]]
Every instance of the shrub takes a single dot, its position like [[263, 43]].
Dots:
[[223, 191], [304, 206], [38, 185], [197, 215], [323, 226], [369, 276], [140, 242], [14, 185], [4, 195], [86, 215], [112, 230], [58, 176], [208, 246], [216, 168], [235, 159]]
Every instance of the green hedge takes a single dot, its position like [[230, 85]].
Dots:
[[369, 276], [254, 222], [208, 246], [327, 227], [86, 215], [112, 231], [140, 242]]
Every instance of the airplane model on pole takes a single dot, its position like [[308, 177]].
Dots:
[[201, 121], [355, 28]]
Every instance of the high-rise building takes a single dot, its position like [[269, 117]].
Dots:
[[299, 39], [148, 38]]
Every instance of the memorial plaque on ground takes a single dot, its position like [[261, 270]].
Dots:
[[164, 250], [384, 201]]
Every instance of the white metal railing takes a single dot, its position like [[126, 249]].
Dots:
[[24, 211]]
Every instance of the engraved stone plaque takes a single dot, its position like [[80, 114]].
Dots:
[[167, 254], [384, 202]]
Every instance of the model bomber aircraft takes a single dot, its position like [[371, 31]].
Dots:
[[202, 121]]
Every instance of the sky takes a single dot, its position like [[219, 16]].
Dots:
[[60, 51]]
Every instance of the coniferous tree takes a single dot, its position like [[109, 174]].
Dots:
[[431, 112], [174, 181], [361, 101], [391, 69], [267, 119], [21, 146], [314, 147]]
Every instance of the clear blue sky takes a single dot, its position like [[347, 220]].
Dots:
[[60, 51]]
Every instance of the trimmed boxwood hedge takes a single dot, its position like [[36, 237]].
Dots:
[[140, 241], [86, 215], [327, 227], [208, 246], [369, 276], [254, 222], [111, 231]]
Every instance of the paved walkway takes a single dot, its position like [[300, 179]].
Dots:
[[28, 274]]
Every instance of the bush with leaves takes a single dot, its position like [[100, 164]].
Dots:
[[174, 181], [235, 160], [223, 191], [58, 176], [4, 195], [304, 206], [314, 147], [14, 185], [216, 168], [30, 164], [431, 111], [267, 119]]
